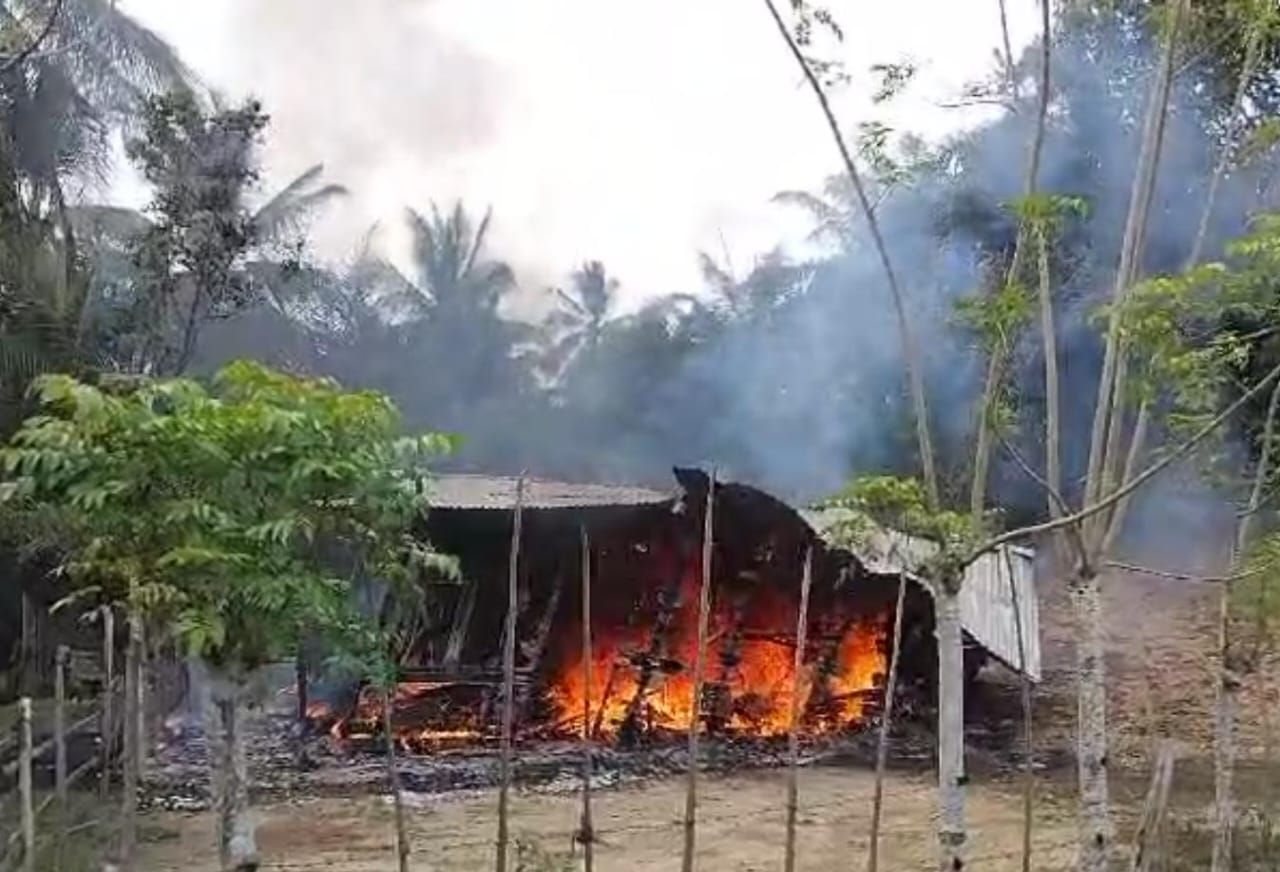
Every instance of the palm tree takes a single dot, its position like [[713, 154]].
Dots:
[[82, 68], [576, 326], [455, 279]]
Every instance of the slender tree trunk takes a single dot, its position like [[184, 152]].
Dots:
[[1053, 405], [237, 845], [886, 725], [983, 439], [142, 741], [699, 671], [793, 733], [509, 675], [586, 830], [1091, 717], [996, 365], [393, 780], [910, 351], [1106, 415], [1011, 74], [1151, 824], [951, 778], [1252, 52], [1229, 678]]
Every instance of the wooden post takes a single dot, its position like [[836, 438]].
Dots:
[[25, 789], [699, 667], [60, 746], [886, 722], [793, 733], [586, 831], [137, 628], [300, 682], [129, 765], [509, 676], [108, 695], [60, 725], [393, 777], [1028, 738]]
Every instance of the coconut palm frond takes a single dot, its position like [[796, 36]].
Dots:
[[287, 210]]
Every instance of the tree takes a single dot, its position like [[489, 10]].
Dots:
[[577, 325], [206, 510]]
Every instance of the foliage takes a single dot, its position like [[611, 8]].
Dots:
[[210, 508], [190, 260], [901, 504]]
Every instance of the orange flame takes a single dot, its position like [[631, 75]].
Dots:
[[759, 686]]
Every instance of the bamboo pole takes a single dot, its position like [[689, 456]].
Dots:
[[586, 831], [886, 721], [25, 788], [699, 666], [793, 732], [108, 695], [509, 676]]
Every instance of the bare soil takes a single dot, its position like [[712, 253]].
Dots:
[[740, 828]]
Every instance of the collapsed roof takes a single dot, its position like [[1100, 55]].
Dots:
[[986, 600]]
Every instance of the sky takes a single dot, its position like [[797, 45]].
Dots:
[[633, 133]]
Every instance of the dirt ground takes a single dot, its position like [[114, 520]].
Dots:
[[740, 828]]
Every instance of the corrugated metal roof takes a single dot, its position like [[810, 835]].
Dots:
[[497, 492], [986, 598]]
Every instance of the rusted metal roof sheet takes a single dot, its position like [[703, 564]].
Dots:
[[498, 493], [986, 599]]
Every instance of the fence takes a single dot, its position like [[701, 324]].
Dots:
[[104, 721]]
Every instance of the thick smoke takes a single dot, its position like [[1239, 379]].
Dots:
[[812, 389]]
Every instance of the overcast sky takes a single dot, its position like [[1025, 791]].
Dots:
[[633, 132]]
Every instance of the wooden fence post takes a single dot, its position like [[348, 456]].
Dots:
[[25, 789], [129, 765], [793, 730], [508, 676], [699, 666], [108, 695], [138, 637], [60, 746]]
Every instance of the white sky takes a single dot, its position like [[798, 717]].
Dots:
[[632, 132]]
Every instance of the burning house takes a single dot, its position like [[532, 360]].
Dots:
[[644, 548]]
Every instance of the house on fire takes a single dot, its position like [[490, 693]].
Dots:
[[644, 548]]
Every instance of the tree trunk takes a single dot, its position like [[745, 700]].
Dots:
[[951, 778], [393, 780], [237, 846], [1091, 719], [910, 350], [108, 696]]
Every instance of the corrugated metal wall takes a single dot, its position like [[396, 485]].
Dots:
[[986, 606]]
